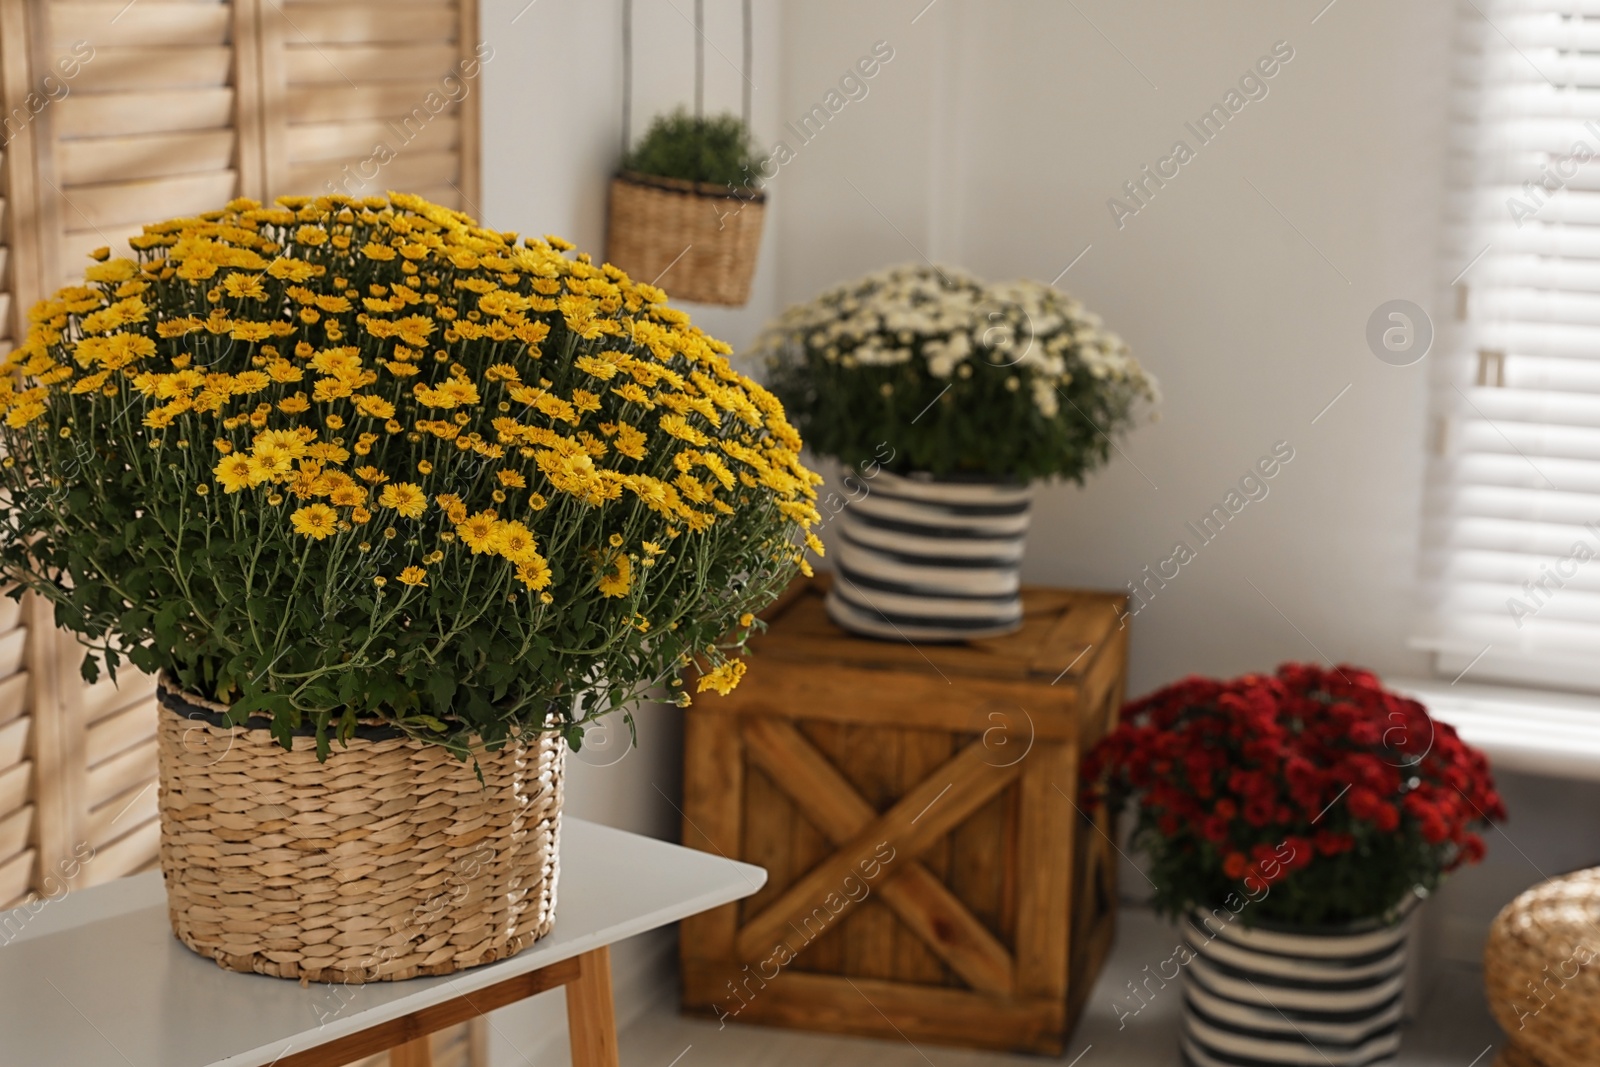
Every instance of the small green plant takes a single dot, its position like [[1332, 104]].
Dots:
[[717, 150]]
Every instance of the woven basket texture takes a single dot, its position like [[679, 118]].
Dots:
[[388, 861], [1541, 973], [696, 241]]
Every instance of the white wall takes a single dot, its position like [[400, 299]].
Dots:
[[1039, 121], [551, 141], [993, 139]]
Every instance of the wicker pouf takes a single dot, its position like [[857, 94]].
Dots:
[[1541, 970], [388, 861]]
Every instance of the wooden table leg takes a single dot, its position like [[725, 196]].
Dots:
[[418, 1053], [591, 1018]]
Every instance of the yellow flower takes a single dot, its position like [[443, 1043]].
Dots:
[[274, 441], [244, 286], [233, 473], [679, 427], [413, 576], [534, 573], [371, 474], [478, 532], [406, 498], [315, 520], [597, 367], [618, 581], [515, 542], [375, 406], [629, 441], [329, 452], [512, 478], [91, 383], [746, 619], [451, 393], [311, 235], [632, 393], [425, 467], [287, 268], [723, 678]]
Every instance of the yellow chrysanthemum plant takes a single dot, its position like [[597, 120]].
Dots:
[[341, 460]]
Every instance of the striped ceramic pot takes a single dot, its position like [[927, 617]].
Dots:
[[1274, 995], [920, 558]]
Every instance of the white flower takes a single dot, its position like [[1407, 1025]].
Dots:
[[943, 322], [1045, 399]]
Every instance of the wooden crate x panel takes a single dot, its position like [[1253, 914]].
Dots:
[[989, 923]]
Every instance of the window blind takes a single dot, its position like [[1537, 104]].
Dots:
[[1512, 559]]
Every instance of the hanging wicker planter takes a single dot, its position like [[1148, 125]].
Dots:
[[389, 861], [697, 241]]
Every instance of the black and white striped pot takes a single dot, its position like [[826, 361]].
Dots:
[[920, 558], [1318, 997]]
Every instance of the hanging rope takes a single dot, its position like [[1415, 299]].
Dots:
[[627, 77], [699, 58], [747, 61]]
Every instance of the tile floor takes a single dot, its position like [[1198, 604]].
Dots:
[[1453, 1028]]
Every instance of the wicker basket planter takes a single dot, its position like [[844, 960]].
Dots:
[[697, 241], [389, 861], [1274, 994]]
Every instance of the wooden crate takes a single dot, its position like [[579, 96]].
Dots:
[[931, 876]]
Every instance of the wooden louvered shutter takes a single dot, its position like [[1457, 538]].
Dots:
[[23, 642], [17, 808], [161, 121], [141, 125], [359, 98]]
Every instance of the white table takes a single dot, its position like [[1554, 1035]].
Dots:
[[96, 978]]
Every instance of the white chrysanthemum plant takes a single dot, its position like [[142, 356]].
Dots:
[[1023, 381], [956, 394]]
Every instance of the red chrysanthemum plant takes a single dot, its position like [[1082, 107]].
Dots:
[[1316, 797]]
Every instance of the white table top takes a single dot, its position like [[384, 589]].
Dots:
[[96, 978]]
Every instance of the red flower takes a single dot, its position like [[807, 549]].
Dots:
[[1363, 803], [1331, 843], [1312, 769]]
